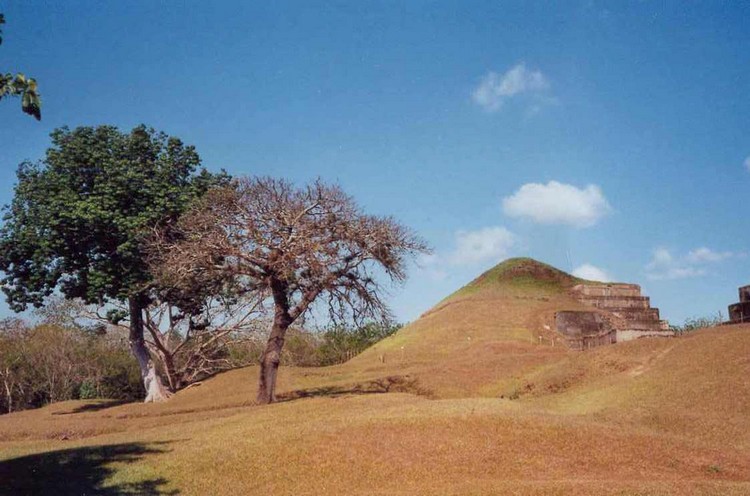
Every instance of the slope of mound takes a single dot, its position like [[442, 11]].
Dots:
[[693, 385], [473, 342], [654, 416]]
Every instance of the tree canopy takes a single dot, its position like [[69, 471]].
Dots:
[[78, 217]]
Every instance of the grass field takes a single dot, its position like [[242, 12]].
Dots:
[[463, 401]]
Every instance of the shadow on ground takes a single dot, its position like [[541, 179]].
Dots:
[[95, 407], [79, 471], [390, 384]]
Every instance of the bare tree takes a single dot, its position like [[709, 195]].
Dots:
[[292, 247], [187, 343], [12, 352], [193, 346]]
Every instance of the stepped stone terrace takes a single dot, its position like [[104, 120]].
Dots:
[[740, 312], [619, 313]]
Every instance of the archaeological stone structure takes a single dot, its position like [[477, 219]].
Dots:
[[740, 312], [584, 330], [618, 313]]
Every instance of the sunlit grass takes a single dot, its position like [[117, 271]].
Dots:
[[488, 410]]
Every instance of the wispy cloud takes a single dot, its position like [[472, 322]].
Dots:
[[591, 273], [471, 248], [495, 89], [431, 265], [487, 244], [558, 203], [707, 255], [746, 163], [666, 266]]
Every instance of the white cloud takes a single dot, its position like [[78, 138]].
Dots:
[[665, 266], [746, 163], [494, 89], [591, 273], [489, 243], [558, 203], [704, 254], [430, 265]]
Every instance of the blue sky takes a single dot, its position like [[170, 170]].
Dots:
[[612, 135]]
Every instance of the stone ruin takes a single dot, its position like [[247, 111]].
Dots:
[[619, 313], [740, 312]]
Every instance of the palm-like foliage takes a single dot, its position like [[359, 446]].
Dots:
[[20, 85]]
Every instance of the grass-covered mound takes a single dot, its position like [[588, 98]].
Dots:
[[475, 340]]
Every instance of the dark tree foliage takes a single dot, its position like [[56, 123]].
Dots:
[[79, 216], [22, 86]]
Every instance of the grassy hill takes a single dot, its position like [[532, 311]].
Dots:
[[477, 340], [474, 405]]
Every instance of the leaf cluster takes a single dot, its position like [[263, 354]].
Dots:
[[21, 85], [79, 217]]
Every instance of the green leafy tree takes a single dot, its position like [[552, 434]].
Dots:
[[21, 86], [79, 217]]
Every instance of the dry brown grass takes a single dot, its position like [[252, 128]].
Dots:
[[651, 417]]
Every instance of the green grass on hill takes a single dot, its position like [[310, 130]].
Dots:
[[521, 275]]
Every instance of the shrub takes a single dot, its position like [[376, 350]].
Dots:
[[694, 323], [341, 343], [329, 346], [62, 361], [46, 363]]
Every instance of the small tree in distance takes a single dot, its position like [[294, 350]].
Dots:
[[293, 246]]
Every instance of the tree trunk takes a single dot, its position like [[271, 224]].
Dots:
[[175, 382], [155, 390], [9, 395], [269, 362]]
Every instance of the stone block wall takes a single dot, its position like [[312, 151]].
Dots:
[[623, 302], [623, 314], [584, 330], [611, 289], [740, 312], [642, 314]]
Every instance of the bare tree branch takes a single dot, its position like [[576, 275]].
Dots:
[[292, 248]]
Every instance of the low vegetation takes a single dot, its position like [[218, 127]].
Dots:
[[61, 359], [47, 363], [695, 323]]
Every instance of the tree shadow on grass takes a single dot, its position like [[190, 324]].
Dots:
[[79, 471], [95, 407], [390, 384]]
